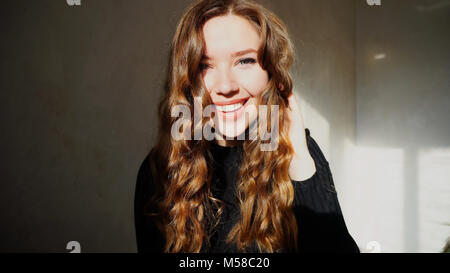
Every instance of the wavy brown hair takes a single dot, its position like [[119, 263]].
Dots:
[[183, 205]]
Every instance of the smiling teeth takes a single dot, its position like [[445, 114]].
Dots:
[[229, 108]]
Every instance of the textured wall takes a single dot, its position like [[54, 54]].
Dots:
[[79, 89], [403, 133], [78, 93]]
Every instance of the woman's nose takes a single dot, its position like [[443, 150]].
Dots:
[[225, 83]]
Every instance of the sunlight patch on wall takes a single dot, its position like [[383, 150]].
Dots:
[[434, 198], [374, 189]]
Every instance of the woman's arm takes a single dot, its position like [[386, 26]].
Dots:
[[321, 224], [148, 236], [302, 165]]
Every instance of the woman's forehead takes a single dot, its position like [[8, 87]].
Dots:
[[229, 35]]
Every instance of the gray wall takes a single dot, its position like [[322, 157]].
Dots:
[[78, 93], [403, 132]]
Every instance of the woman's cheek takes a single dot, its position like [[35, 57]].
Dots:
[[256, 82], [207, 81]]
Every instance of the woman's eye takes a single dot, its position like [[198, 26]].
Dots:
[[203, 66], [247, 61]]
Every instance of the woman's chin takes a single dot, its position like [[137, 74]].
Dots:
[[230, 134]]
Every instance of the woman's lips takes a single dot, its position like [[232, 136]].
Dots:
[[230, 102], [231, 111]]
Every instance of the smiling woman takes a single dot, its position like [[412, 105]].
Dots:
[[230, 195], [230, 72]]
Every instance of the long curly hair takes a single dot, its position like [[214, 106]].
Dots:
[[183, 205]]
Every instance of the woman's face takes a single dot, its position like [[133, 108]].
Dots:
[[231, 72]]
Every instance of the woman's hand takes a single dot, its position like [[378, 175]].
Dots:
[[302, 165]]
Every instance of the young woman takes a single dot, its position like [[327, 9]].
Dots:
[[243, 190]]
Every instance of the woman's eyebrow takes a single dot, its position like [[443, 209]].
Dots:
[[243, 52], [235, 54]]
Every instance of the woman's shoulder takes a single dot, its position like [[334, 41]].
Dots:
[[144, 167], [314, 150], [147, 165], [144, 180], [317, 155], [148, 236], [319, 189]]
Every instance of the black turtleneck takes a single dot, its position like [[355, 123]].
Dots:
[[321, 226]]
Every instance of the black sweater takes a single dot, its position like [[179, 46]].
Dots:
[[321, 226]]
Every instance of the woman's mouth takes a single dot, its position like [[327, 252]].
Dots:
[[230, 107], [231, 111]]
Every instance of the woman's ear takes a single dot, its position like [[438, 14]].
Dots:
[[280, 86]]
